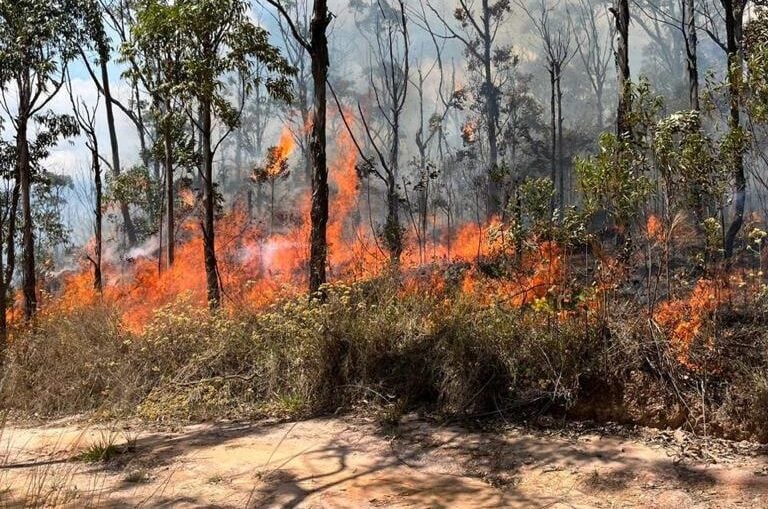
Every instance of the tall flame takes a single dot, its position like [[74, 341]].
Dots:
[[257, 268], [281, 152]]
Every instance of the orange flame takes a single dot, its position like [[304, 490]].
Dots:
[[684, 319], [281, 153], [257, 269], [654, 229]]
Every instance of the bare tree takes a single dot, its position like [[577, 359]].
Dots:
[[557, 44], [388, 77], [595, 50], [652, 19], [680, 18], [86, 118], [478, 32]]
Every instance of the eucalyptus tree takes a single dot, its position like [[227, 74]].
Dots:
[[316, 44], [733, 15], [37, 41], [558, 43], [595, 50], [388, 77], [99, 43], [659, 18], [478, 32], [86, 118], [216, 39], [620, 11], [155, 52]]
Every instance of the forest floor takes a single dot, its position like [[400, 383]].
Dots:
[[350, 462]]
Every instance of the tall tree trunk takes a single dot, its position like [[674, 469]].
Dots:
[[209, 204], [319, 213], [241, 178], [733, 12], [495, 182], [394, 231], [169, 205], [691, 51], [6, 274], [130, 228], [29, 283], [620, 12], [599, 106], [423, 197], [552, 132], [97, 278], [560, 158], [3, 312], [24, 171]]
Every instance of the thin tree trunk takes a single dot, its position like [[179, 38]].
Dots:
[[393, 197], [733, 10], [691, 50], [209, 203], [3, 314], [319, 212], [6, 273], [169, 195], [621, 15], [494, 205], [130, 228], [599, 106], [552, 131], [560, 159], [97, 277], [24, 170]]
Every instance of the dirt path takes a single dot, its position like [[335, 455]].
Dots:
[[346, 463]]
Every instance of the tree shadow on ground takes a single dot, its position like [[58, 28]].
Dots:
[[424, 466]]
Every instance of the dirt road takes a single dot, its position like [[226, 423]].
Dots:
[[348, 463]]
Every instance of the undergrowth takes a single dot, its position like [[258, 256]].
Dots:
[[374, 346]]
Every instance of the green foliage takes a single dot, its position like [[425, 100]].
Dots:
[[614, 180], [756, 50], [689, 162], [38, 38], [210, 40], [136, 187], [536, 195]]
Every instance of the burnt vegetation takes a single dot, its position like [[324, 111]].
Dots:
[[469, 209]]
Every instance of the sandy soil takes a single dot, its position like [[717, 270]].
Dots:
[[348, 463]]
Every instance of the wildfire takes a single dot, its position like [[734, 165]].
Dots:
[[469, 132], [187, 197], [279, 154], [258, 268], [684, 320], [654, 229]]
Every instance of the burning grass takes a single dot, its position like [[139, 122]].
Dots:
[[499, 319], [383, 343]]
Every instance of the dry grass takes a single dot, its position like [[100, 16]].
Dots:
[[374, 346]]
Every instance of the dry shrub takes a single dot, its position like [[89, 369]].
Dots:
[[370, 343]]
